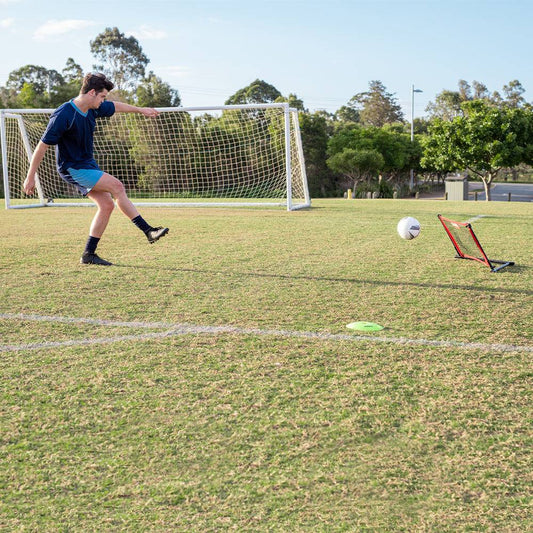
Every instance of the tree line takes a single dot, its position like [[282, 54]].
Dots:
[[365, 145]]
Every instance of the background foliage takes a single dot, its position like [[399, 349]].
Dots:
[[364, 145]]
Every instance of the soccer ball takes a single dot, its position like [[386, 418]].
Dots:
[[408, 228]]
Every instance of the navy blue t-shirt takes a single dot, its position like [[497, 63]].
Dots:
[[72, 132]]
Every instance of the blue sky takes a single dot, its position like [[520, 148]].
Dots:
[[324, 51]]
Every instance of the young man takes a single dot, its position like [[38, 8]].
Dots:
[[71, 130]]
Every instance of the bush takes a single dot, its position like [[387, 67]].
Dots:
[[383, 189]]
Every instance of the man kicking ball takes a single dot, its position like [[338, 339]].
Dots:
[[71, 130]]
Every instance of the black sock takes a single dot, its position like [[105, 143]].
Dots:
[[141, 223], [92, 243]]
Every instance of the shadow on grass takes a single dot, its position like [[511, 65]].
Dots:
[[516, 269]]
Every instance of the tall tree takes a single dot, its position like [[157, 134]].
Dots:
[[376, 107], [72, 73], [73, 77], [480, 91], [347, 113], [447, 104], [513, 92], [483, 141], [465, 92], [258, 92], [154, 92], [121, 58]]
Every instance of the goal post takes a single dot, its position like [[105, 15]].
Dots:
[[467, 245], [240, 155]]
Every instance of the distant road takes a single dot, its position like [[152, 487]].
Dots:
[[520, 192]]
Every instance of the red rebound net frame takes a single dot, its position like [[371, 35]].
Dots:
[[467, 245]]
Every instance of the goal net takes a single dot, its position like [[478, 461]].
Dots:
[[467, 245], [227, 155]]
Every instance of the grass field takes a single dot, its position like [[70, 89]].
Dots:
[[208, 382]]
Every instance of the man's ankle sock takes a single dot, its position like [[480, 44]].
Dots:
[[141, 223], [92, 243]]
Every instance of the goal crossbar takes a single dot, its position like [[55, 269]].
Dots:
[[467, 245], [239, 155]]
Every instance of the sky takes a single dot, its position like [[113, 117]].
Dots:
[[323, 51]]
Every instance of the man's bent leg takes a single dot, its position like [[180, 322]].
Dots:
[[112, 185]]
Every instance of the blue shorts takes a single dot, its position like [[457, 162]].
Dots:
[[84, 178]]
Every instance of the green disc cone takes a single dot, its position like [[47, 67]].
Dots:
[[364, 326]]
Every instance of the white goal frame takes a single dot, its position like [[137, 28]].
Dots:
[[296, 189]]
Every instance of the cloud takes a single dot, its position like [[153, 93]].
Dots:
[[147, 32], [6, 2], [56, 28], [6, 23]]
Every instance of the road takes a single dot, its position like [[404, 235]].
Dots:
[[520, 192]]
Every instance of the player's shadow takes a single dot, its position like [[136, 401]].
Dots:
[[355, 281]]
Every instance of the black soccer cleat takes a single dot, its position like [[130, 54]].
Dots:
[[93, 259], [154, 234]]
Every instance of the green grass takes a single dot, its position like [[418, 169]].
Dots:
[[244, 431]]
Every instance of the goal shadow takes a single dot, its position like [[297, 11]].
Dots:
[[332, 279]]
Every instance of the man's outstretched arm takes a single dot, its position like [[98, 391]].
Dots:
[[121, 107]]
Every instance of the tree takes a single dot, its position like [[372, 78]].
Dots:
[[120, 58], [154, 92], [72, 73], [293, 101], [376, 107], [258, 92], [314, 131], [72, 79], [27, 96], [480, 91], [357, 164], [447, 105], [360, 144], [513, 94], [41, 78], [9, 98], [35, 86], [395, 147], [482, 142], [464, 90], [347, 114]]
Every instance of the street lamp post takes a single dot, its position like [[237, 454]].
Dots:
[[413, 91]]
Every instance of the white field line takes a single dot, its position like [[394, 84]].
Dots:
[[473, 219], [82, 342], [189, 329]]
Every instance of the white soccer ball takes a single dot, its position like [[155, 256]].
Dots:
[[408, 228]]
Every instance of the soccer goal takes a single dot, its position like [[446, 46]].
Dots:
[[246, 155], [467, 245]]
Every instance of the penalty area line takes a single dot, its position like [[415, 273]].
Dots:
[[188, 329]]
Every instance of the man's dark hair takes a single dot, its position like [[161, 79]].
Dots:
[[98, 82]]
